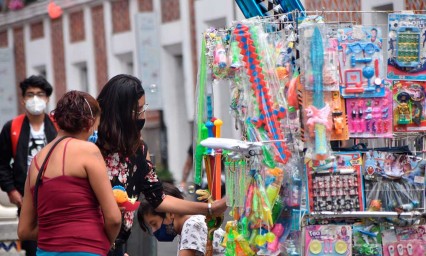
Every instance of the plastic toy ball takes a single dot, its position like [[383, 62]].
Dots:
[[260, 240], [270, 237]]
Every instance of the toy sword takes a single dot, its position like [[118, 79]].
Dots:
[[317, 61]]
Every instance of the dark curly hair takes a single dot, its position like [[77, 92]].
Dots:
[[146, 208], [73, 114], [36, 81], [119, 103]]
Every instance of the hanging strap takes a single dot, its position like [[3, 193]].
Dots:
[[15, 131], [42, 168]]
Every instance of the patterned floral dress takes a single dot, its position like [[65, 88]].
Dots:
[[137, 175]]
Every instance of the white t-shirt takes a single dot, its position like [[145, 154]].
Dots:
[[36, 142], [194, 237]]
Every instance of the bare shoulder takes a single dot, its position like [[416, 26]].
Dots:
[[85, 147]]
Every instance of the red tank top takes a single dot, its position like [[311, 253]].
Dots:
[[69, 215]]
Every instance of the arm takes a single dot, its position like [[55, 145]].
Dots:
[[27, 227], [99, 181], [6, 172], [185, 207], [187, 252], [153, 191]]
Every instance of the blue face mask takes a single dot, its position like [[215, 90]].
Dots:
[[94, 137], [165, 233]]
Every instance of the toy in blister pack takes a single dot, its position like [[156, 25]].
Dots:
[[404, 241], [329, 67], [409, 106], [317, 112], [416, 232], [370, 117], [337, 185], [393, 181], [367, 240], [332, 240], [407, 50], [361, 62]]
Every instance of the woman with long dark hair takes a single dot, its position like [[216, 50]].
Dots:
[[122, 101]]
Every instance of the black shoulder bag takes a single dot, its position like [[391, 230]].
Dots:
[[42, 168]]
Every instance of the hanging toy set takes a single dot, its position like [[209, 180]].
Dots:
[[409, 105], [296, 83], [407, 50]]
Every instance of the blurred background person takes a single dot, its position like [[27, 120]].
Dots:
[[22, 138]]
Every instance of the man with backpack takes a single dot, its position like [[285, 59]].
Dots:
[[22, 138]]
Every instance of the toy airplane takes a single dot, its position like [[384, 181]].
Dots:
[[245, 148]]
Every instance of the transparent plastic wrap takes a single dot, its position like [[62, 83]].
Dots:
[[367, 240], [393, 181], [317, 114], [328, 65], [236, 182], [200, 110], [264, 112], [391, 195], [361, 59], [370, 117]]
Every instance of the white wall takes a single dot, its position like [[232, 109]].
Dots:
[[39, 53], [368, 5], [221, 14], [175, 82]]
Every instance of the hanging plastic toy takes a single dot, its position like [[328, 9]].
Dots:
[[54, 10]]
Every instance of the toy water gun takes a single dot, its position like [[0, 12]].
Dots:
[[123, 200]]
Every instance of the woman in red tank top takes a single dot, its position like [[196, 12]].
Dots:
[[68, 203]]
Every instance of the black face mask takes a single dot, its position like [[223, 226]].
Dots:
[[140, 123]]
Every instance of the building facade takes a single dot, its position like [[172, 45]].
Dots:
[[94, 40]]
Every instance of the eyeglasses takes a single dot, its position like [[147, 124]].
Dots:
[[142, 110], [32, 94]]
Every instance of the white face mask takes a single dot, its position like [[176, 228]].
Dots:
[[35, 105]]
